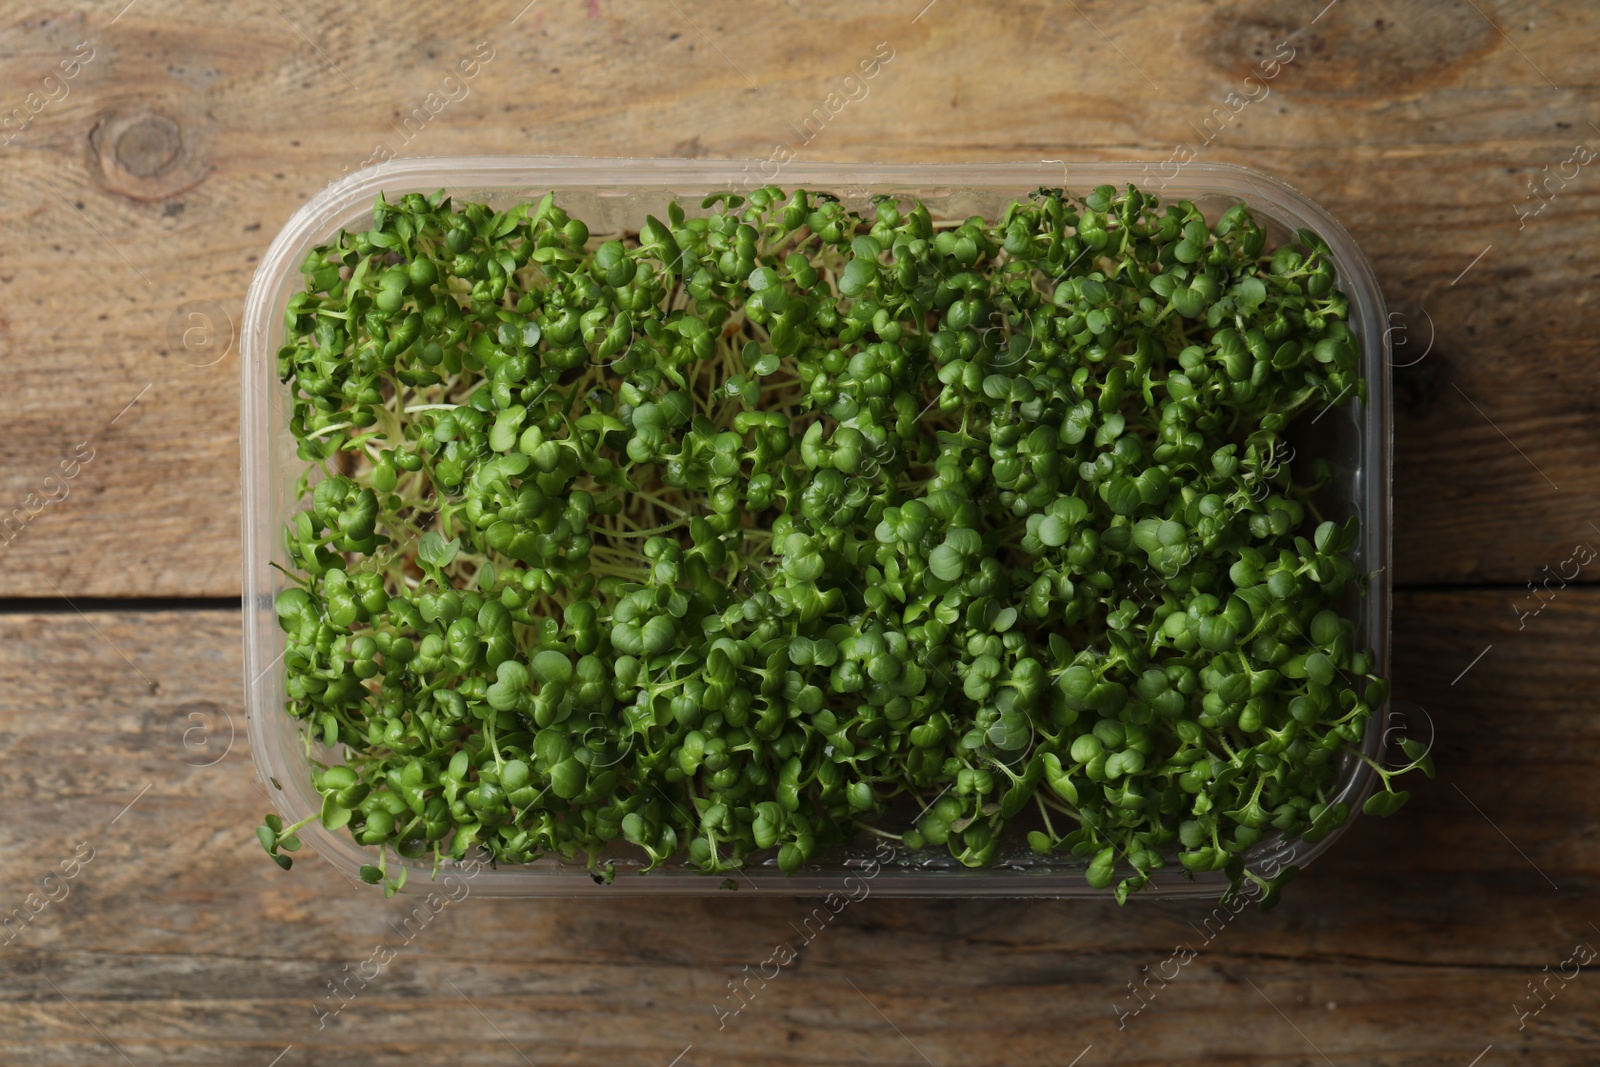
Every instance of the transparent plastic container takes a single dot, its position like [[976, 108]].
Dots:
[[616, 194]]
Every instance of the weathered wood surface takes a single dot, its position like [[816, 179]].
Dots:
[[150, 184], [1411, 942]]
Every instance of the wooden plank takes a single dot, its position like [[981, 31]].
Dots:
[[1409, 943], [148, 191]]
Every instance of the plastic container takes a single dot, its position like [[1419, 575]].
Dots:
[[614, 194]]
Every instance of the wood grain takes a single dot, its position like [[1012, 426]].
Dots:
[[149, 183], [148, 191], [1408, 943]]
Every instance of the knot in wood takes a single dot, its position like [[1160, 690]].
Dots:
[[148, 145]]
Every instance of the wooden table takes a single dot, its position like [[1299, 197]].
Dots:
[[150, 181]]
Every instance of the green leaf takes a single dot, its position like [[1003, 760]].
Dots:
[[1122, 496], [552, 667], [1385, 803], [1054, 531], [857, 275], [435, 551], [1274, 891], [946, 563], [1102, 869], [333, 816]]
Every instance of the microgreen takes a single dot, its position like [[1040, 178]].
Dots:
[[735, 537]]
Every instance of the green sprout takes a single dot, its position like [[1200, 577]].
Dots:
[[735, 538]]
